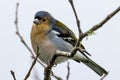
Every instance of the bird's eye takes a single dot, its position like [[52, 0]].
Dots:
[[43, 20]]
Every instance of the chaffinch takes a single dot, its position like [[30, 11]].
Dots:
[[50, 35]]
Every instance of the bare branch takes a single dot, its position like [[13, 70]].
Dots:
[[16, 17], [17, 30], [77, 21], [13, 74], [68, 68], [34, 62], [99, 25], [75, 13]]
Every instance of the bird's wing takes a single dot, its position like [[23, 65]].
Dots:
[[59, 43], [67, 35]]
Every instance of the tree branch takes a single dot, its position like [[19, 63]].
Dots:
[[77, 21], [99, 25], [76, 16], [34, 62], [13, 74], [17, 30], [68, 69]]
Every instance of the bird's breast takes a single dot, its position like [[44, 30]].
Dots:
[[46, 48]]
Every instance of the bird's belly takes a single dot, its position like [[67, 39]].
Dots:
[[47, 50]]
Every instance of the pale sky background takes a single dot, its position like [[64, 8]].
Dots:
[[104, 45]]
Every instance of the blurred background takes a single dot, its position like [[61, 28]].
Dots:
[[104, 45]]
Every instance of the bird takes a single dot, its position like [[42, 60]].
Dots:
[[50, 34]]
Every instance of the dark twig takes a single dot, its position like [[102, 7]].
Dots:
[[13, 74], [34, 62], [38, 60], [77, 19], [68, 69], [78, 22], [17, 30], [16, 17], [99, 25], [79, 29]]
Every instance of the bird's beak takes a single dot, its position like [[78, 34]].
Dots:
[[36, 21]]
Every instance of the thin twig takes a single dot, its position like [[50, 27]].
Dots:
[[99, 25], [76, 16], [38, 60], [78, 22], [17, 30], [13, 74], [16, 17], [33, 63], [68, 69]]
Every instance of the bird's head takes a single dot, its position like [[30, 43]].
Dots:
[[45, 21]]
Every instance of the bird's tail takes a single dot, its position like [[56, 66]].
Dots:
[[95, 67], [91, 64]]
